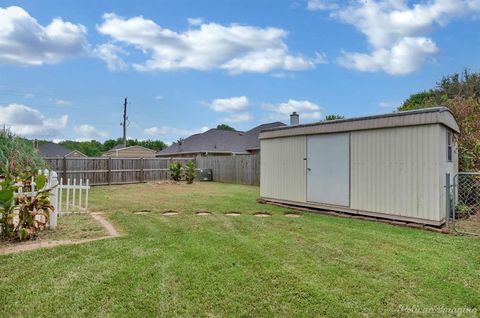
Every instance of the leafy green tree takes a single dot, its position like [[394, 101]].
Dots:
[[460, 92], [334, 117], [150, 144], [90, 148], [225, 127]]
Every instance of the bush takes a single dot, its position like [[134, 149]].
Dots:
[[190, 172], [176, 169], [18, 155], [22, 215]]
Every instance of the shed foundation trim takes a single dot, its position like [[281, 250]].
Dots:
[[355, 212]]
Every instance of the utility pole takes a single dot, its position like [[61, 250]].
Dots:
[[125, 118]]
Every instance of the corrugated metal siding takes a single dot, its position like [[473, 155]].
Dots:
[[445, 166], [283, 169], [395, 171]]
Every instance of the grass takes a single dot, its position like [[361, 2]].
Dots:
[[244, 266], [70, 227]]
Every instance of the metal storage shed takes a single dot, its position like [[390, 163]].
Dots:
[[391, 166]]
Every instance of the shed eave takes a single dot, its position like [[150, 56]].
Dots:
[[428, 116]]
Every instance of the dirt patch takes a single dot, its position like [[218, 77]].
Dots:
[[292, 215], [170, 213], [262, 214], [203, 213], [140, 213], [29, 246], [164, 182], [233, 213]]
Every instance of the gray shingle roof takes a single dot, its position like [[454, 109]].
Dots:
[[51, 149], [252, 135], [219, 141]]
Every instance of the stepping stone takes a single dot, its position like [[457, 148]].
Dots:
[[262, 214], [170, 213], [233, 214]]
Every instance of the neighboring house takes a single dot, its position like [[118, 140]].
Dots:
[[129, 152], [218, 142], [53, 150]]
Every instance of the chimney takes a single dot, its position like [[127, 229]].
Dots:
[[294, 119]]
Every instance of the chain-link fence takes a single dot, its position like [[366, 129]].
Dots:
[[466, 203]]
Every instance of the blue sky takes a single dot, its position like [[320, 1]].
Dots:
[[65, 66]]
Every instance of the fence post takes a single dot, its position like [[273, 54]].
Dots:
[[447, 199], [64, 168], [142, 177], [53, 183], [109, 168]]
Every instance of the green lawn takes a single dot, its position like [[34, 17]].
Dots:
[[219, 266]]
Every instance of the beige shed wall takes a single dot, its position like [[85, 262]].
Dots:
[[445, 165], [396, 171], [283, 168]]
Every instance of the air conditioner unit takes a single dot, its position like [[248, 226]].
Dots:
[[204, 175]]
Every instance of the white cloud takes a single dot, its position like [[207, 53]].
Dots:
[[232, 104], [24, 41], [397, 31], [195, 21], [317, 5], [235, 48], [29, 122], [166, 130], [238, 117], [159, 97], [306, 109], [110, 54], [60, 102], [389, 104], [88, 132]]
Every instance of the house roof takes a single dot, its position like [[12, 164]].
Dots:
[[253, 142], [121, 147], [426, 116], [219, 141], [51, 149]]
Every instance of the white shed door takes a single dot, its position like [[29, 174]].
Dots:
[[328, 169]]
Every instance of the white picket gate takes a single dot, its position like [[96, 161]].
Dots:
[[60, 198], [71, 195]]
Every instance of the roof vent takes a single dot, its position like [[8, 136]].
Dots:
[[294, 119]]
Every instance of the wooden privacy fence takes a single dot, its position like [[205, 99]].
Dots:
[[111, 170], [240, 169]]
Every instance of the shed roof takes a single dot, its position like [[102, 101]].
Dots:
[[426, 116]]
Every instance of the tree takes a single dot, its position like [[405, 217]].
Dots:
[[461, 94], [225, 127], [90, 148], [150, 144], [334, 117]]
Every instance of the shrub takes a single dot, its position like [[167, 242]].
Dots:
[[462, 211], [18, 154], [190, 172], [176, 169], [32, 210]]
